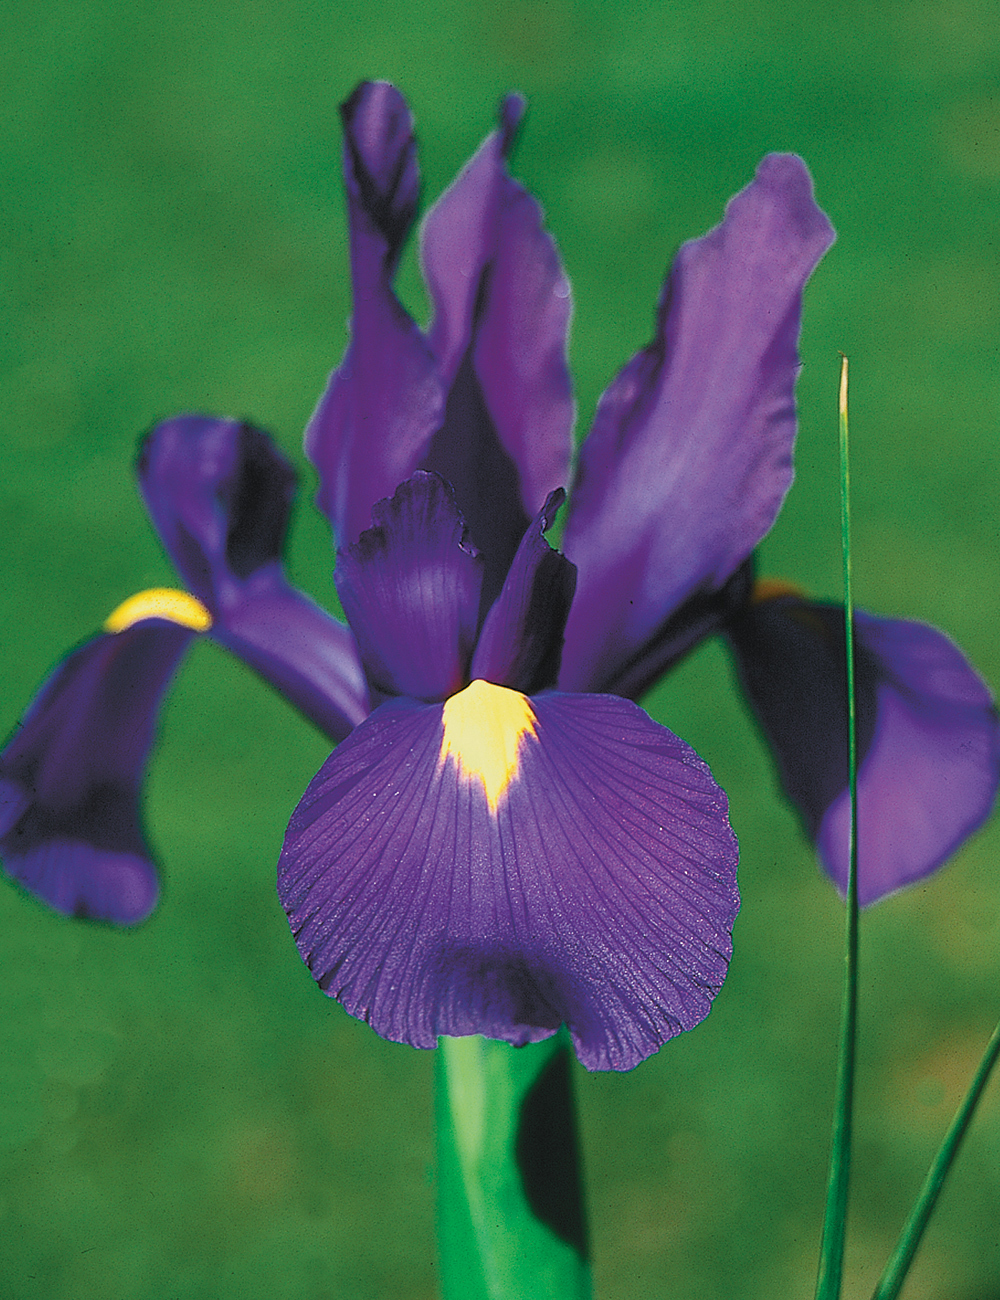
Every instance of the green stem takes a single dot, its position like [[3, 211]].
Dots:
[[510, 1205], [831, 1259], [902, 1257]]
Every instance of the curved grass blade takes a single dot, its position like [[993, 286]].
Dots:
[[902, 1257], [831, 1259], [510, 1205]]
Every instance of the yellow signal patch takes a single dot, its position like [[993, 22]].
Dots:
[[160, 602], [773, 589], [483, 729]]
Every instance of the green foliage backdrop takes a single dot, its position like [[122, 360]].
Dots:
[[182, 1115]]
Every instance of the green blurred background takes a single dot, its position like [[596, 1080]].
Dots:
[[183, 1116]]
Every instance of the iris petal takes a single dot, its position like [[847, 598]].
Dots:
[[690, 455], [521, 640], [928, 736], [597, 888], [701, 616], [501, 317], [410, 590], [71, 826], [383, 403], [220, 493]]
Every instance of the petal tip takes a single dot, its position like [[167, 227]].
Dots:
[[511, 115], [380, 160]]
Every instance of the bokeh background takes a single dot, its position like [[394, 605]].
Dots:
[[183, 1116]]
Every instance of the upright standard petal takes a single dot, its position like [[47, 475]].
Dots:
[[71, 827], [220, 493], [499, 865], [928, 735], [501, 318], [410, 590], [690, 455], [380, 408], [521, 640]]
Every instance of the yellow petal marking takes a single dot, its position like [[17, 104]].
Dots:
[[160, 602], [483, 729], [773, 589]]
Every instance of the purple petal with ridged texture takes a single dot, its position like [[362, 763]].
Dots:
[[521, 640], [380, 408], [220, 494], [501, 317], [71, 827], [690, 455], [410, 589], [588, 876], [928, 736]]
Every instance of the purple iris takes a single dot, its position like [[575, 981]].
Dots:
[[504, 842]]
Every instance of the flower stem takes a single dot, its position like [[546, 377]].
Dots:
[[510, 1205], [831, 1260], [902, 1257]]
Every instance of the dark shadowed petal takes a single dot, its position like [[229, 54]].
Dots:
[[501, 316], [220, 493], [410, 590], [690, 455], [71, 826], [497, 865], [521, 639], [928, 737], [382, 405]]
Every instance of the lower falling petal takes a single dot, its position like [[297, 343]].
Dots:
[[593, 883]]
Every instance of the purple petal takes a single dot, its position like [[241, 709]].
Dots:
[[301, 651], [380, 408], [220, 493], [521, 640], [71, 826], [501, 316], [928, 736], [701, 615], [593, 882], [410, 589], [690, 455], [380, 165]]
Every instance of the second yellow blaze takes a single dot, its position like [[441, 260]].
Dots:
[[773, 589], [483, 729], [160, 602]]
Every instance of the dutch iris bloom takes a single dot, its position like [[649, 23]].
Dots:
[[503, 841]]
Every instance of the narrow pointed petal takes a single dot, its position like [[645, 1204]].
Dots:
[[381, 406], [928, 736], [501, 318], [71, 827], [220, 494], [521, 640], [690, 455], [587, 876], [410, 589]]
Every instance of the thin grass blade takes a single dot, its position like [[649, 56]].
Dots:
[[892, 1279], [831, 1260]]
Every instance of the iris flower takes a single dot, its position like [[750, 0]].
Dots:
[[502, 841]]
